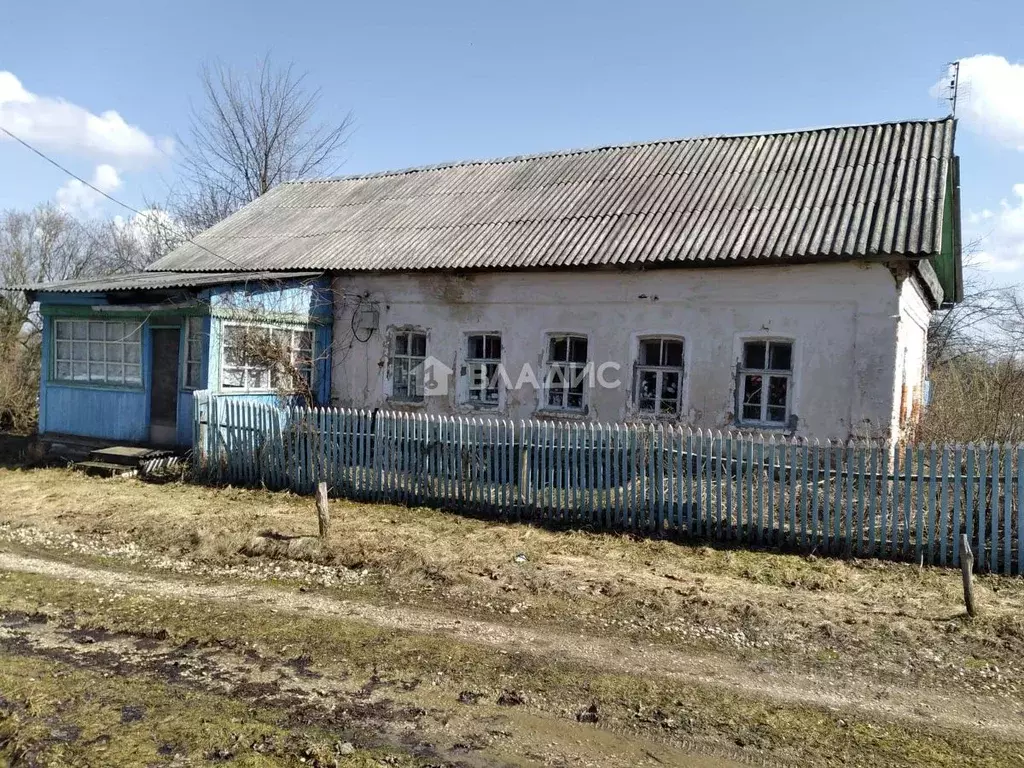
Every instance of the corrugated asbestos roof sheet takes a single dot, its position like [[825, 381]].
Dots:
[[830, 193], [159, 280]]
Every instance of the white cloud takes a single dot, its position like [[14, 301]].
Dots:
[[992, 101], [79, 200], [56, 124], [1002, 233]]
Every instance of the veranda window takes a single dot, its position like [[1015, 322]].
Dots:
[[105, 352], [259, 357]]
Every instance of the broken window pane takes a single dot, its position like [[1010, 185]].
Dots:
[[647, 390], [559, 348], [781, 356], [493, 347], [418, 344], [777, 389], [672, 354], [752, 390], [578, 349], [669, 392], [650, 352], [754, 354]]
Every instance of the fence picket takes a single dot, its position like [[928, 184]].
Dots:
[[868, 498], [1007, 507]]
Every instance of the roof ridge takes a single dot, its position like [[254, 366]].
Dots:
[[586, 150]]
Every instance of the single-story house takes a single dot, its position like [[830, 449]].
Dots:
[[778, 282]]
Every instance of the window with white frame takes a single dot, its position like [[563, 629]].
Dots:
[[408, 353], [194, 342], [98, 352], [483, 356], [658, 386], [567, 373], [766, 381], [255, 357]]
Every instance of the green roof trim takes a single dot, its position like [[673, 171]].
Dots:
[[947, 263]]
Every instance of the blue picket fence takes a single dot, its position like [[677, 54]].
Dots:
[[865, 499]]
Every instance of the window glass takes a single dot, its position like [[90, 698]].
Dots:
[[409, 351], [258, 357], [659, 374], [483, 356], [95, 352], [194, 343], [765, 381], [567, 372]]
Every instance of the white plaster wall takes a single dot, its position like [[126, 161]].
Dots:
[[843, 319], [911, 354]]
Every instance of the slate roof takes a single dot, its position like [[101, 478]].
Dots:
[[814, 195], [142, 281]]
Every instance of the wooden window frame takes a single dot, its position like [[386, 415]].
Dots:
[[572, 367], [767, 373], [246, 366], [639, 368], [98, 342], [411, 363]]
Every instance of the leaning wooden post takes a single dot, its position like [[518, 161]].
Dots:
[[323, 514], [967, 566]]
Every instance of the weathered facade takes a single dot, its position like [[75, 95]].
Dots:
[[122, 356], [772, 282], [848, 324]]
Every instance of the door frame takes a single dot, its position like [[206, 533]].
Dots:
[[172, 430]]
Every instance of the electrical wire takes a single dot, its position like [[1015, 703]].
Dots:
[[113, 199]]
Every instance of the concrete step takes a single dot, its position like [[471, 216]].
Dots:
[[105, 469]]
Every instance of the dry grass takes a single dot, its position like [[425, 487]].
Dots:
[[801, 610]]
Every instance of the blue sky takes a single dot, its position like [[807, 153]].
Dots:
[[436, 81]]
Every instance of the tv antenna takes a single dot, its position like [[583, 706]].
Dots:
[[954, 91]]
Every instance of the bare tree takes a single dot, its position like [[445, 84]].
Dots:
[[974, 324], [252, 132], [135, 243], [42, 245]]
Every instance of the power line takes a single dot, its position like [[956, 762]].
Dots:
[[112, 199]]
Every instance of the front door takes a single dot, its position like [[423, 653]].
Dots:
[[163, 404]]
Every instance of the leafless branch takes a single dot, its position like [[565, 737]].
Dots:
[[250, 133]]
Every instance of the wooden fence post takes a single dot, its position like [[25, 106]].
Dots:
[[967, 566], [323, 514]]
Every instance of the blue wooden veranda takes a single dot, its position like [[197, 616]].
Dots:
[[864, 499]]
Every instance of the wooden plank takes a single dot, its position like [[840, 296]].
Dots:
[[1007, 537], [969, 493], [956, 524], [868, 542], [929, 531], [919, 508], [1020, 510], [981, 532], [883, 500], [805, 492], [944, 508], [770, 533]]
